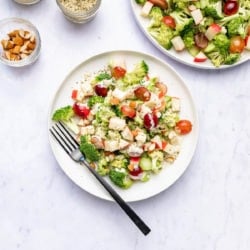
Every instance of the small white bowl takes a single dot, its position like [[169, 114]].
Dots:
[[79, 16], [10, 24], [27, 2]]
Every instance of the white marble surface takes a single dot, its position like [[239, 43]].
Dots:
[[40, 208]]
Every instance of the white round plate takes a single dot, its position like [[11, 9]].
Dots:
[[182, 57], [176, 87]]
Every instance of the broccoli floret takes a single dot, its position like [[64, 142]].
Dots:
[[244, 9], [218, 50], [89, 150], [140, 1], [157, 158], [216, 57], [181, 19], [206, 3], [63, 114], [156, 16], [137, 74], [232, 58], [103, 115], [214, 10], [169, 119], [103, 76], [120, 161], [163, 35], [221, 42], [102, 166], [188, 37], [236, 26], [95, 99], [120, 178]]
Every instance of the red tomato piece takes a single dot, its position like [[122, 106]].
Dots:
[[74, 94], [237, 44], [183, 127], [136, 171], [128, 111], [142, 94], [169, 21], [118, 72], [81, 110]]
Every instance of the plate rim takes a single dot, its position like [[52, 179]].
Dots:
[[176, 58], [134, 52]]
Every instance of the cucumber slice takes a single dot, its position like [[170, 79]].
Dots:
[[145, 163]]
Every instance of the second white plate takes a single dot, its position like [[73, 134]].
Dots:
[[182, 57]]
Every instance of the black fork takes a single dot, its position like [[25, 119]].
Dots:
[[71, 147]]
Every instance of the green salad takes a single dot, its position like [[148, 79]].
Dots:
[[214, 30], [125, 121]]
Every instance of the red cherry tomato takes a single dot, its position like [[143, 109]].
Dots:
[[142, 94], [118, 72], [81, 110], [160, 3], [101, 90], [230, 7], [169, 21], [128, 111], [183, 127], [150, 120], [237, 44], [136, 171]]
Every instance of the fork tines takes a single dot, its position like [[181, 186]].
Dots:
[[64, 138]]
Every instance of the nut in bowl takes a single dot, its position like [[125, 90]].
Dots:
[[20, 42], [79, 11]]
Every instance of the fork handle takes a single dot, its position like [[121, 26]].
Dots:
[[126, 208]]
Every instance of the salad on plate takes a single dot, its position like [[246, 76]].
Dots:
[[209, 30], [127, 124]]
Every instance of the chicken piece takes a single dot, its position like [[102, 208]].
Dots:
[[117, 123]]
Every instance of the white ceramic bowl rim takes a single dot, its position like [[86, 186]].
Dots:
[[34, 55]]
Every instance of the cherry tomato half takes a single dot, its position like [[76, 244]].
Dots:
[[136, 171], [150, 121], [118, 72], [183, 127], [169, 21], [237, 44], [81, 110], [128, 111], [101, 90], [230, 7], [142, 93]]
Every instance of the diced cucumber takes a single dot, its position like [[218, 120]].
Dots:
[[145, 163], [145, 176]]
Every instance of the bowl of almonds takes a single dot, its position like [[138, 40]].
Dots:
[[20, 42]]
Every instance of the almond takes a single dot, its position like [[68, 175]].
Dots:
[[16, 49], [18, 40]]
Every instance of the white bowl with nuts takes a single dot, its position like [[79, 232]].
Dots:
[[20, 42]]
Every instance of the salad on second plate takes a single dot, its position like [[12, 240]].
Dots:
[[127, 124], [215, 30]]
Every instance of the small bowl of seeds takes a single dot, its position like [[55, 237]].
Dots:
[[79, 11], [20, 42]]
